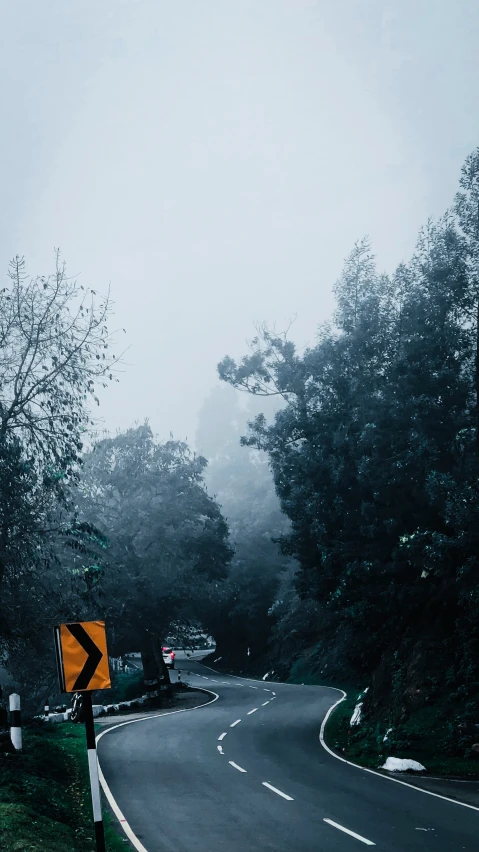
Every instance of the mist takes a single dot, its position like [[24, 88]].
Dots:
[[214, 163]]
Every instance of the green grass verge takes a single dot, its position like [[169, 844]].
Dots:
[[423, 737], [45, 803], [125, 687]]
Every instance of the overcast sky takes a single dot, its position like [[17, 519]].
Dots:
[[216, 159]]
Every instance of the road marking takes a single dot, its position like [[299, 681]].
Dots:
[[373, 771], [251, 711], [214, 681], [266, 690], [235, 766], [136, 843], [220, 749], [274, 694], [275, 790], [221, 737], [265, 703], [235, 723], [352, 833], [225, 682], [252, 687], [349, 762]]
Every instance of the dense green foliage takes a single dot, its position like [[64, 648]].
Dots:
[[54, 352], [375, 463], [125, 530], [167, 539]]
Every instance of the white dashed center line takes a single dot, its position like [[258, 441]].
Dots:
[[235, 766], [352, 833], [220, 749], [265, 703], [266, 690], [221, 737], [279, 793], [251, 711], [235, 723]]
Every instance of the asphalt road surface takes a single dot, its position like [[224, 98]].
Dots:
[[247, 773]]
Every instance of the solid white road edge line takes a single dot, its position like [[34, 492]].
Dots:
[[235, 723], [251, 711], [136, 843], [379, 774], [221, 737], [349, 762], [275, 790], [235, 766], [356, 765], [352, 833]]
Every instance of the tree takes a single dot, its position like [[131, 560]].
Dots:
[[374, 458], [168, 542], [54, 351], [466, 208], [54, 344]]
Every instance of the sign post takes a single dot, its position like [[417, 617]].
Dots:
[[80, 673]]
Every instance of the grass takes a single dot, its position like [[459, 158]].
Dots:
[[125, 687], [424, 737], [45, 802]]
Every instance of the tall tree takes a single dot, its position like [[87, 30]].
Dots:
[[375, 463], [54, 352], [168, 542]]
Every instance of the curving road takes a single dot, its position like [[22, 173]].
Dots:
[[247, 773]]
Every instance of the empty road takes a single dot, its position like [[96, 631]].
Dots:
[[247, 773]]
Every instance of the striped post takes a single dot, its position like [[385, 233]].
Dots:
[[93, 770], [179, 675], [15, 721], [46, 712]]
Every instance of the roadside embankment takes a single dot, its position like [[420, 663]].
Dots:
[[45, 799]]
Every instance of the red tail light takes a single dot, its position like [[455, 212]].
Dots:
[[172, 655]]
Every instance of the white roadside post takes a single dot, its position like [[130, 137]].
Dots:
[[93, 771], [15, 721], [83, 676]]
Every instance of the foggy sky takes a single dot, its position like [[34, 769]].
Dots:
[[216, 159]]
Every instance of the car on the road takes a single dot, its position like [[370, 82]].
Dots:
[[169, 657]]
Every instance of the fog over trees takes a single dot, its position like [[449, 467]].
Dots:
[[326, 520]]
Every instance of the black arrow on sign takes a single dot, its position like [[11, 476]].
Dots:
[[91, 662]]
